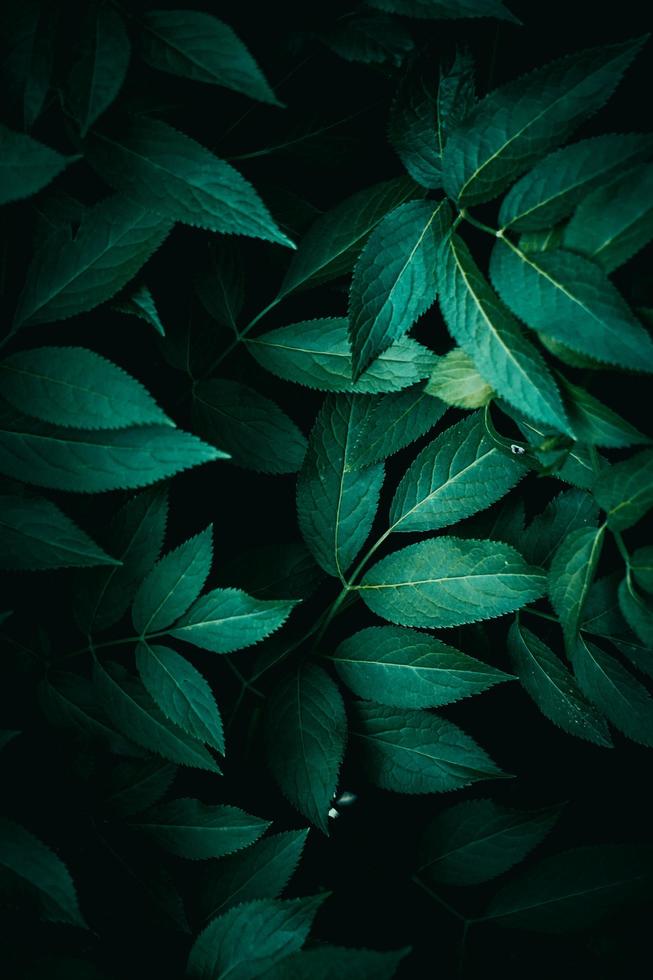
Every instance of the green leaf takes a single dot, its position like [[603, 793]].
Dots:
[[369, 37], [140, 302], [505, 522], [173, 584], [33, 861], [625, 491], [613, 689], [449, 581], [135, 533], [456, 96], [36, 534], [190, 829], [637, 611], [69, 701], [196, 45], [445, 9], [553, 689], [416, 751], [570, 299], [170, 174], [220, 287], [306, 732], [576, 464], [29, 34], [490, 335], [252, 428], [251, 938], [572, 890], [391, 422], [474, 841], [72, 386], [514, 125], [595, 423], [325, 962], [641, 565], [26, 166], [406, 669], [614, 222], [137, 785], [131, 710], [181, 693], [456, 381], [225, 620], [316, 353], [570, 577], [332, 244], [554, 187], [273, 571], [100, 68], [394, 282], [336, 504], [262, 871], [68, 275], [570, 511], [458, 474], [412, 124]]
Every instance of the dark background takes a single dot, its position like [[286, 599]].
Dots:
[[368, 860]]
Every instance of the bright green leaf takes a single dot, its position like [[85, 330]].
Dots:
[[456, 381], [225, 620]]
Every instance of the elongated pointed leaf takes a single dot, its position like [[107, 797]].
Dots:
[[255, 432], [306, 735], [570, 299], [225, 620], [416, 751], [407, 669], [196, 45], [458, 474], [73, 386], [625, 491], [135, 785], [456, 381], [370, 37], [394, 281], [596, 424], [140, 302], [173, 584], [475, 841], [170, 174], [100, 67], [73, 275], [449, 581], [26, 166], [572, 570], [641, 564], [193, 830], [324, 962], [637, 611], [29, 34], [553, 688], [181, 692], [412, 124], [316, 353], [391, 422], [490, 335], [516, 124], [570, 511], [336, 504]]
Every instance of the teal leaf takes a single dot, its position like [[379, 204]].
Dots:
[[460, 473], [412, 124], [29, 38], [220, 286], [140, 302], [92, 462], [26, 166], [596, 424], [225, 620], [641, 565], [570, 511], [273, 571], [489, 334], [445, 9], [100, 67], [174, 583], [394, 282], [449, 581], [168, 173], [456, 96], [637, 611], [190, 829], [614, 222], [306, 733], [514, 125], [324, 962], [570, 299], [332, 244], [135, 715], [28, 857], [554, 186], [36, 534], [181, 692], [407, 669], [73, 386], [391, 422], [196, 45], [601, 612], [416, 751], [336, 504], [255, 432], [262, 871], [553, 688], [456, 381], [474, 841], [249, 939], [69, 701], [625, 490], [370, 37], [135, 785], [571, 574], [316, 353], [572, 890], [68, 275]]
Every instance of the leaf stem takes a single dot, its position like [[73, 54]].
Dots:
[[542, 615], [623, 550], [466, 216], [440, 900], [112, 643], [243, 333]]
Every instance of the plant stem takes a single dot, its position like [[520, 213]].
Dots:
[[542, 615], [440, 900], [243, 333], [112, 643], [623, 550], [466, 216]]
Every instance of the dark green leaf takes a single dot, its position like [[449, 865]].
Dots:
[[100, 66], [444, 9], [570, 511], [193, 830], [625, 491], [572, 570], [136, 785], [327, 962], [596, 424], [391, 422], [140, 302], [637, 611], [26, 166], [641, 564], [412, 124]]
